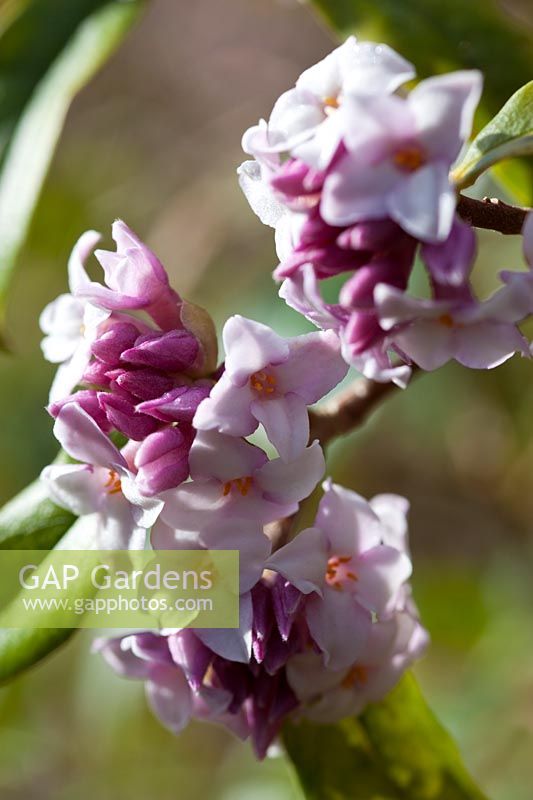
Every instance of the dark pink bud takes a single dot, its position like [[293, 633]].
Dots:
[[96, 374], [178, 405], [122, 415], [174, 351], [144, 384], [375, 235], [296, 180], [112, 343], [363, 331], [450, 262], [162, 460], [286, 600], [88, 400]]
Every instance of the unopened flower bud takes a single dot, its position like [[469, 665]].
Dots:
[[174, 351], [162, 460], [112, 343], [178, 405], [87, 399], [122, 415], [144, 384]]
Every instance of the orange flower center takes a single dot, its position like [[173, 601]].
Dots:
[[331, 101], [355, 675], [409, 158], [339, 572], [446, 320], [242, 485], [263, 382], [113, 483]]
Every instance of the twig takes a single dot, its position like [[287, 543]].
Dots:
[[492, 214], [348, 409]]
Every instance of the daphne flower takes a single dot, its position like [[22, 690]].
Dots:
[[347, 571], [103, 485], [478, 335], [134, 277], [398, 155], [70, 325], [354, 67], [331, 695], [271, 380], [148, 656], [232, 478]]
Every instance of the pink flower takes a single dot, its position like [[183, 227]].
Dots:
[[232, 478], [271, 380], [331, 695], [300, 113], [347, 571], [103, 485], [398, 152], [478, 335], [134, 277]]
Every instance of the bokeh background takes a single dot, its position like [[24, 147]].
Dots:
[[155, 139]]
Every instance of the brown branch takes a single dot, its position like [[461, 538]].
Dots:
[[347, 410], [492, 214]]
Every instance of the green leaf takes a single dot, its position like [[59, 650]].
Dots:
[[48, 50], [397, 750], [31, 521], [438, 37], [22, 648], [508, 135]]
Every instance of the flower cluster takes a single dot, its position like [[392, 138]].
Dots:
[[327, 623], [353, 172]]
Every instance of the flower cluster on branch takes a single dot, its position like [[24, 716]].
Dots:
[[353, 173]]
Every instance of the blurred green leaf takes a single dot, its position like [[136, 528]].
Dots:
[[22, 648], [440, 37], [48, 50], [397, 750], [31, 521], [508, 135]]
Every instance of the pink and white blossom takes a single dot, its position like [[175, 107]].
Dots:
[[271, 381]]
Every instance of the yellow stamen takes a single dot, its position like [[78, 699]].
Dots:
[[243, 485], [409, 158], [338, 573], [263, 382], [113, 483], [357, 674], [446, 320]]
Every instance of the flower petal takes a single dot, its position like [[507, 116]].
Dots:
[[250, 346], [286, 422], [339, 626], [290, 482], [302, 561], [234, 644], [74, 486], [347, 520], [423, 203], [381, 573], [81, 437], [314, 367]]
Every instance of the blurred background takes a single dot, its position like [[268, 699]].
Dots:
[[155, 139]]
